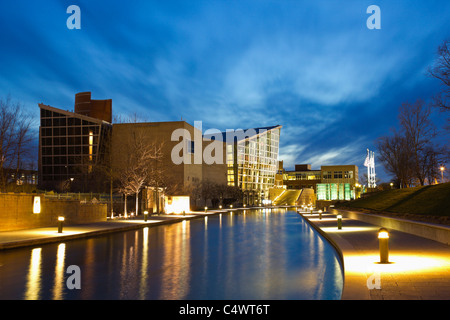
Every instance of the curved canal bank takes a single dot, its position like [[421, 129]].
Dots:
[[418, 268], [251, 254]]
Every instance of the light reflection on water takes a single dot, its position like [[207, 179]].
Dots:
[[251, 254]]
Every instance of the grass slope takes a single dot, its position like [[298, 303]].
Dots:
[[431, 200]]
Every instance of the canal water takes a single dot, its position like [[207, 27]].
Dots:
[[251, 254]]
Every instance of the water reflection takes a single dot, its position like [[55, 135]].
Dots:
[[176, 262], [59, 272], [251, 254], [34, 276], [144, 264]]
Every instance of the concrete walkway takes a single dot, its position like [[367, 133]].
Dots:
[[30, 237], [418, 268]]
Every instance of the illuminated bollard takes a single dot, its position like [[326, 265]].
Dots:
[[145, 216], [320, 214], [383, 237], [206, 209], [220, 207], [339, 221], [60, 224]]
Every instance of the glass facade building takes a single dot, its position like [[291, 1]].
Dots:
[[70, 144], [252, 162]]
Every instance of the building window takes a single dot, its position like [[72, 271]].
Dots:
[[338, 175]]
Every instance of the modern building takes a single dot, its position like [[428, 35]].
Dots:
[[252, 161], [177, 172], [338, 182], [71, 143]]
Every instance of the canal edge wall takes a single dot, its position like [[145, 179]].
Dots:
[[340, 245], [434, 232], [95, 232]]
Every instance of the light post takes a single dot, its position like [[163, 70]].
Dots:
[[320, 214], [442, 168], [60, 224], [383, 237], [145, 215], [392, 185], [339, 221]]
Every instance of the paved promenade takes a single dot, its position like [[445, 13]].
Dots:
[[21, 238], [418, 268]]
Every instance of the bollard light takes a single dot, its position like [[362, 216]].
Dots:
[[60, 224], [383, 238], [231, 206], [145, 216], [339, 221], [220, 207], [206, 209], [245, 205], [320, 214]]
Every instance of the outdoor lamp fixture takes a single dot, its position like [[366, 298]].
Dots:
[[231, 206], [391, 184], [206, 209], [60, 224], [320, 214], [36, 204], [145, 216], [383, 238], [245, 205], [339, 221], [220, 207]]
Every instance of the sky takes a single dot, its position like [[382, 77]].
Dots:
[[313, 67]]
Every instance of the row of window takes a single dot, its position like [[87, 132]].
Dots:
[[70, 131], [338, 175], [67, 151]]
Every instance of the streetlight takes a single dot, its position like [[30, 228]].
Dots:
[[60, 224], [442, 168], [145, 215], [383, 237], [392, 185], [339, 221]]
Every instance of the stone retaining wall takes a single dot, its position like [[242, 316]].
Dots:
[[429, 231], [16, 212]]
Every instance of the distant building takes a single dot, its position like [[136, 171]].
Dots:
[[338, 182], [252, 161], [169, 178], [71, 143]]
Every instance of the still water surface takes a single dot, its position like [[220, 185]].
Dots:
[[252, 254]]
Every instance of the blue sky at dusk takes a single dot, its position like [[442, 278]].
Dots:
[[311, 66]]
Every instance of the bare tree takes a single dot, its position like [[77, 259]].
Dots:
[[15, 139], [139, 158], [394, 154], [419, 131], [441, 71]]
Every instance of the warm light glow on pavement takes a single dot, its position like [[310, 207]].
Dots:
[[399, 264]]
